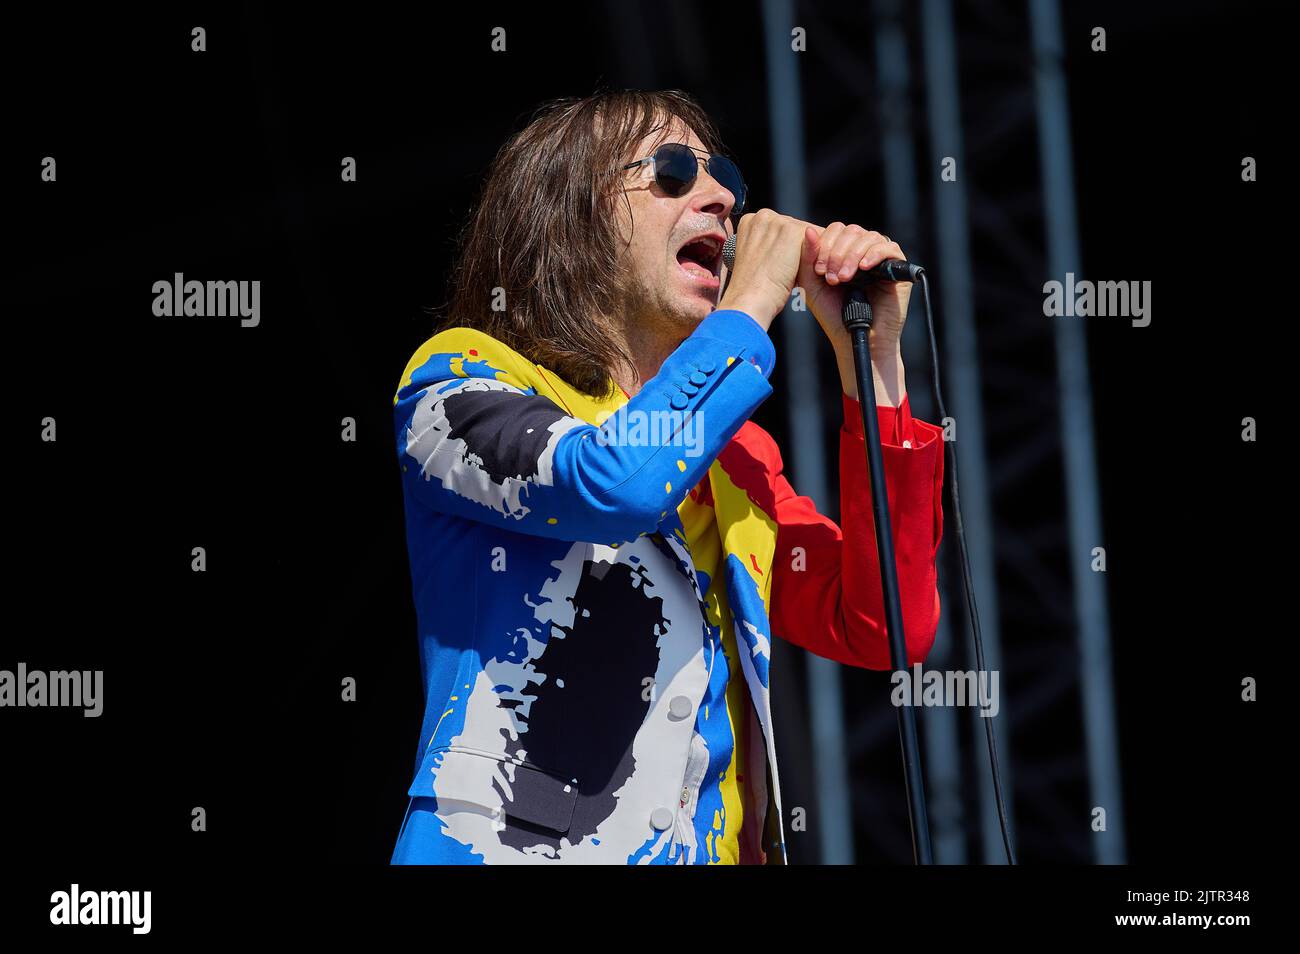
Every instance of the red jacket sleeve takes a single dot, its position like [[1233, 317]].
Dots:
[[826, 580]]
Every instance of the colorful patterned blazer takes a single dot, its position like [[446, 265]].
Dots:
[[574, 657]]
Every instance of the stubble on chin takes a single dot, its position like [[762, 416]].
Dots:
[[649, 311], [656, 320]]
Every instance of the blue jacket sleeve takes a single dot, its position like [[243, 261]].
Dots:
[[484, 449]]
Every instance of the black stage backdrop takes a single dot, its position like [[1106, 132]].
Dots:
[[223, 688]]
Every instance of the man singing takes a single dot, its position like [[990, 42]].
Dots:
[[601, 543]]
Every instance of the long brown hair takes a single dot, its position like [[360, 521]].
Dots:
[[545, 232]]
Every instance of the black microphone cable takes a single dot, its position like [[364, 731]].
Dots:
[[972, 612]]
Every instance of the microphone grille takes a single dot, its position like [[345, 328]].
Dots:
[[729, 251]]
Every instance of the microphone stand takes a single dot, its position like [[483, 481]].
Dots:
[[857, 319]]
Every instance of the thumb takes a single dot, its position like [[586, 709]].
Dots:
[[811, 240]]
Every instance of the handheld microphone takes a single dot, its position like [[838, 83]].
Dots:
[[890, 270]]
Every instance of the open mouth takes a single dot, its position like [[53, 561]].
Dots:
[[701, 257]]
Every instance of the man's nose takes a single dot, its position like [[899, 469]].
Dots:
[[709, 196]]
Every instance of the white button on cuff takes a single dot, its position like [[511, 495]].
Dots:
[[907, 443], [679, 707], [661, 818]]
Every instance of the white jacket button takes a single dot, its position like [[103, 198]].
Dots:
[[679, 707], [661, 818]]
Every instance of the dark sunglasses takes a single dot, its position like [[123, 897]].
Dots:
[[676, 165]]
